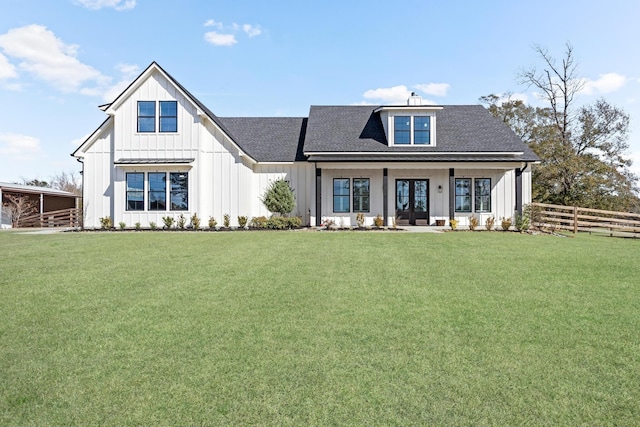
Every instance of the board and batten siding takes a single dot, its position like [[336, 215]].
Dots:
[[301, 179], [97, 191]]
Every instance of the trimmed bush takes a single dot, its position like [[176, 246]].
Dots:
[[212, 223], [242, 221], [168, 221], [279, 198], [195, 221], [259, 222]]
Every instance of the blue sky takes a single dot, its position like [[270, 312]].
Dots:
[[60, 59]]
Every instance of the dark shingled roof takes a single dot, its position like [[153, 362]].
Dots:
[[269, 139], [459, 129]]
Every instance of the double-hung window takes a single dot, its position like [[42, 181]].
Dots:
[[168, 116], [157, 191], [135, 191], [179, 191], [341, 195], [412, 130], [361, 194], [482, 194], [463, 195], [146, 116]]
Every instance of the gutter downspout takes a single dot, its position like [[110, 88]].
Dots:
[[81, 213]]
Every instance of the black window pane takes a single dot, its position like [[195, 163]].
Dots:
[[179, 191], [157, 191], [135, 191]]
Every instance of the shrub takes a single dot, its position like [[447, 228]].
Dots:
[[212, 223], [295, 222], [489, 223], [242, 221], [378, 221], [168, 221], [138, 226], [453, 223], [505, 223], [473, 222], [278, 223], [153, 225], [522, 220], [360, 219], [105, 223], [182, 221], [279, 198], [328, 223], [122, 225], [226, 221], [259, 222], [195, 221]]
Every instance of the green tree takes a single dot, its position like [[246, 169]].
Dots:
[[279, 198], [582, 149]]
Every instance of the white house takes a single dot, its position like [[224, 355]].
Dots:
[[162, 152]]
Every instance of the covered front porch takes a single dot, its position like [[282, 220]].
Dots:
[[417, 194]]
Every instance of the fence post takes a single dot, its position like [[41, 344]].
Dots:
[[575, 219]]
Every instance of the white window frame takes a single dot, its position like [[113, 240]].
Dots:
[[412, 115]]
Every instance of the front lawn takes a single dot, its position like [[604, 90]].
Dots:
[[318, 328]]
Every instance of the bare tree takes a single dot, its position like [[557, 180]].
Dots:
[[18, 207], [559, 84], [67, 181]]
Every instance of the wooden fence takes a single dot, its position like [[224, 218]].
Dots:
[[574, 219], [62, 218]]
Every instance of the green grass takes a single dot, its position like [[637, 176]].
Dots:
[[303, 328]]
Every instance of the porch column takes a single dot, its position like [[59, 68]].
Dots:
[[385, 195], [318, 196], [452, 193], [41, 203], [519, 190]]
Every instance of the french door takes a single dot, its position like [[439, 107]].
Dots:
[[412, 201]]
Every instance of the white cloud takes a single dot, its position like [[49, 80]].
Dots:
[[395, 94], [19, 147], [251, 30], [99, 4], [7, 70], [226, 34], [218, 39], [635, 158], [606, 83], [212, 23], [48, 58], [435, 89], [129, 72]]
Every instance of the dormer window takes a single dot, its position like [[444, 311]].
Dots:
[[411, 125], [402, 130], [422, 130], [411, 130]]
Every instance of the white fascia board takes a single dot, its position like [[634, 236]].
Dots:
[[458, 166], [280, 163], [413, 153], [92, 138], [408, 107]]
